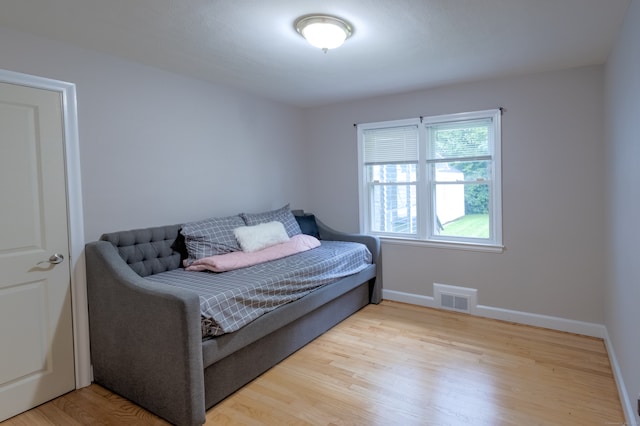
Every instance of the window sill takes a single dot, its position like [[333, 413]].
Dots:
[[487, 248]]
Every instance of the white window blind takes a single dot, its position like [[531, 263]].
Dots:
[[461, 140], [391, 145]]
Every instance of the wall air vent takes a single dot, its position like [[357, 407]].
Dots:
[[460, 299], [452, 301]]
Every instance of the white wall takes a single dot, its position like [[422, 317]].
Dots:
[[158, 148], [553, 190], [622, 312]]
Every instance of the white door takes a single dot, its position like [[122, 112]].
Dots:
[[36, 336]]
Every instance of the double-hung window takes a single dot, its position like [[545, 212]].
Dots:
[[434, 179]]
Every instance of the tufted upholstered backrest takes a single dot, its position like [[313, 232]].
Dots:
[[150, 251]]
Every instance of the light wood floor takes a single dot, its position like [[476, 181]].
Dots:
[[397, 364]]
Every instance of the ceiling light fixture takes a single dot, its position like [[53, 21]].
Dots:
[[323, 31]]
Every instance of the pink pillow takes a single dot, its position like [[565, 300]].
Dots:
[[240, 259]]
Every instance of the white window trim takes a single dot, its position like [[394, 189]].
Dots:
[[425, 239], [458, 245]]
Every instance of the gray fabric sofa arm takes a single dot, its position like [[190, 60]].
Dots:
[[372, 243], [146, 341]]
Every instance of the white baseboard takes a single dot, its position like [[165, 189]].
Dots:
[[545, 321], [627, 405], [413, 299]]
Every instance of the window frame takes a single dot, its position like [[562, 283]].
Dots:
[[425, 184]]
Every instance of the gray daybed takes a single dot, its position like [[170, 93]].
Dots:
[[146, 338]]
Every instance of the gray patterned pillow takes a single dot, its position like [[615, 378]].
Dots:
[[211, 236], [282, 214]]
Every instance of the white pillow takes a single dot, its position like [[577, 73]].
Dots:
[[257, 237]]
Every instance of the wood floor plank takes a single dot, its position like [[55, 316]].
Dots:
[[401, 364]]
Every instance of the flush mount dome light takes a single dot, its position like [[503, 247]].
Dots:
[[323, 31]]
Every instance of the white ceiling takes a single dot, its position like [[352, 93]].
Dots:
[[397, 45]]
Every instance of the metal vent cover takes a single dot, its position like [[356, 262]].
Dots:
[[461, 299]]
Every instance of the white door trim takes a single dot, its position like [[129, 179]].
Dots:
[[82, 359]]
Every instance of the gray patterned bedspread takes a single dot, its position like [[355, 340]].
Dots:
[[230, 300]]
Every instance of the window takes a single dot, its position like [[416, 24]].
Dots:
[[432, 178]]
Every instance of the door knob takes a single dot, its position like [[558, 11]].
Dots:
[[53, 260]]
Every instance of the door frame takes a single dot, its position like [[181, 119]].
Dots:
[[75, 216]]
